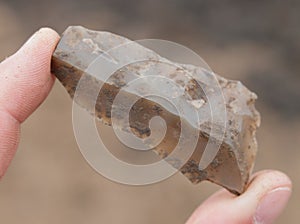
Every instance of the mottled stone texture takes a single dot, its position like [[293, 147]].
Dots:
[[234, 161]]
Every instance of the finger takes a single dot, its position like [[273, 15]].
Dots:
[[25, 78], [25, 81], [262, 202]]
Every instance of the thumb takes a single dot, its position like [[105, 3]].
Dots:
[[263, 202], [25, 78], [25, 81]]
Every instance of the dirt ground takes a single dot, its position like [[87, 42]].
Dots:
[[258, 43]]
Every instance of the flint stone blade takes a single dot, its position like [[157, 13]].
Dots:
[[234, 161]]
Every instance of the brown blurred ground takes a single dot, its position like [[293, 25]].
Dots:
[[254, 41]]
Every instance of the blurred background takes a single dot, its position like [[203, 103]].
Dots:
[[256, 42]]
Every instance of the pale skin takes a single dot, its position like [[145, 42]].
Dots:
[[25, 82]]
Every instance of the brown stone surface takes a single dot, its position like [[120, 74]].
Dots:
[[232, 165]]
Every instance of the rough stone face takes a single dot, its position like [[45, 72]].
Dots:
[[234, 161]]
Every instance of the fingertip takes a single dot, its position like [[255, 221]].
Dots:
[[33, 59], [39, 48], [45, 34], [262, 202], [26, 75], [273, 190], [266, 196], [264, 181]]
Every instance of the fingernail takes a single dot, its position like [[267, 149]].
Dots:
[[271, 205]]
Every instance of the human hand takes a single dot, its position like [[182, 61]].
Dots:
[[25, 81]]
